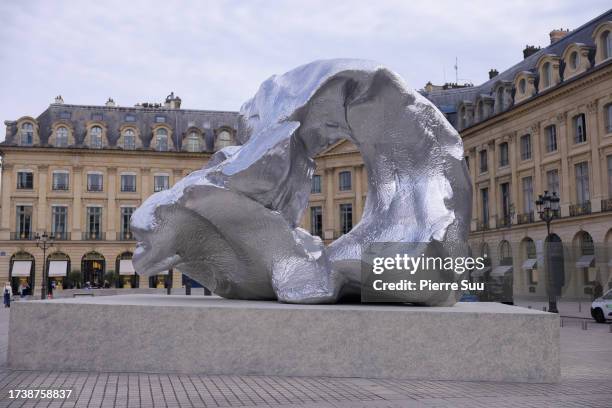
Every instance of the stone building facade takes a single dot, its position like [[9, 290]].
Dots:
[[543, 124]]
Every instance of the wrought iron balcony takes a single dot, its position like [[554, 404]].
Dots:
[[504, 221], [61, 236], [126, 236], [580, 209], [94, 236], [482, 226], [60, 187], [22, 236], [606, 204], [525, 218]]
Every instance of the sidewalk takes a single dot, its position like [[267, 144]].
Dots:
[[566, 308]]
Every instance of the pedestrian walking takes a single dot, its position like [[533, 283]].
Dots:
[[8, 293]]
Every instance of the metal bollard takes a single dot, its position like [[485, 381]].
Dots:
[[543, 308], [529, 307], [585, 325], [561, 320], [579, 307]]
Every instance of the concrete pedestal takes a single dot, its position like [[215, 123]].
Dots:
[[203, 334]]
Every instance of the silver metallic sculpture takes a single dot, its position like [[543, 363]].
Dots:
[[233, 225]]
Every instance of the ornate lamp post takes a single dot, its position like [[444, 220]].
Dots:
[[44, 242], [548, 208]]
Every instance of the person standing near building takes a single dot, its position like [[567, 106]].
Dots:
[[22, 290], [8, 293]]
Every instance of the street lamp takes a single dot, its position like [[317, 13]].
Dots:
[[548, 208], [44, 242]]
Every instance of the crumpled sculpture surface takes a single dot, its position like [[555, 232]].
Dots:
[[233, 226]]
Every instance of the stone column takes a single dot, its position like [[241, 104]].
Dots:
[[476, 191], [563, 142], [145, 182], [493, 199], [77, 186], [111, 218], [514, 153], [358, 193], [328, 225], [592, 127], [41, 222], [8, 184], [537, 185]]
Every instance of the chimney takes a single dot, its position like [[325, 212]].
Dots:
[[556, 35], [530, 50], [110, 102], [493, 73], [173, 102]]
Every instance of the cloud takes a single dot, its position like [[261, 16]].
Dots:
[[214, 54]]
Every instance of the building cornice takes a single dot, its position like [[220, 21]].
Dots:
[[597, 73]]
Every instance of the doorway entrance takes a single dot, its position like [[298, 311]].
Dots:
[[93, 267]]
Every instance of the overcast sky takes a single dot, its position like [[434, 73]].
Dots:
[[214, 54]]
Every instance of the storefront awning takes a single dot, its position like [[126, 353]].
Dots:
[[21, 268], [58, 268], [501, 270], [479, 273], [126, 267], [585, 261], [531, 263]]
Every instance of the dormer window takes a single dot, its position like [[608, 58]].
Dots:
[[27, 134], [499, 99], [61, 137], [546, 74], [606, 43], [95, 137], [129, 139], [161, 140], [224, 139], [194, 142], [522, 86], [574, 60]]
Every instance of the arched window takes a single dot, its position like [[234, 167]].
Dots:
[[522, 86], [574, 60], [586, 244], [499, 99], [193, 142], [129, 139], [505, 253], [161, 140], [61, 137], [546, 74], [606, 43], [224, 139], [27, 134], [95, 137]]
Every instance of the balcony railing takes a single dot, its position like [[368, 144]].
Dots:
[[606, 204], [22, 235], [60, 187], [126, 236], [95, 188], [525, 218], [61, 236], [504, 221], [128, 189], [94, 236], [482, 226], [580, 209]]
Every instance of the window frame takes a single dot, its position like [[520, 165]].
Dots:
[[343, 177], [28, 184]]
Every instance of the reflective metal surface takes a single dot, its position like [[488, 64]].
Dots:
[[233, 225]]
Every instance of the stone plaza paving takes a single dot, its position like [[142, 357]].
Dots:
[[586, 382]]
